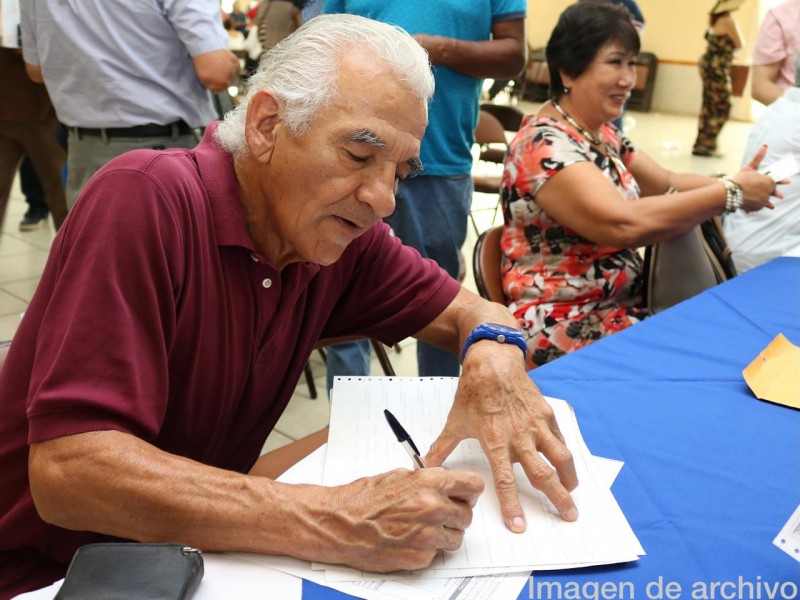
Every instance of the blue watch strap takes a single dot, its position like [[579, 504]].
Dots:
[[499, 333]]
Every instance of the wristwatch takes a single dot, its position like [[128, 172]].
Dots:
[[499, 333]]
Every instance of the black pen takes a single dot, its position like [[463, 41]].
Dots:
[[404, 439]]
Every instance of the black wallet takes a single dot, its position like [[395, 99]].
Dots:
[[132, 571]]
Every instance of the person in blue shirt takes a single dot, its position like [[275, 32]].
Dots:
[[466, 42]]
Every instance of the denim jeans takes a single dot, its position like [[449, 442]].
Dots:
[[347, 358]]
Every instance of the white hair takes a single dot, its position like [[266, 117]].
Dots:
[[302, 70]]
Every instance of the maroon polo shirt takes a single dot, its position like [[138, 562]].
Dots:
[[156, 317]]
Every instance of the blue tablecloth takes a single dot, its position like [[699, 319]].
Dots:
[[711, 474]]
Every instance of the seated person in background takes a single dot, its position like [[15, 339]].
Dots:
[[579, 198], [184, 295], [776, 46], [758, 237]]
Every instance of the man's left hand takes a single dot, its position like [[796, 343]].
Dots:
[[498, 404]]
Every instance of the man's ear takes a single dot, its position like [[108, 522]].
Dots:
[[262, 125]]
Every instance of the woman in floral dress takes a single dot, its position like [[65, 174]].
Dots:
[[578, 198]]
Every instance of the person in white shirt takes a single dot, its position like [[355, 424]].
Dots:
[[755, 238]]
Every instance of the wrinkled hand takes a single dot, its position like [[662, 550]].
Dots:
[[757, 189], [497, 403], [401, 519]]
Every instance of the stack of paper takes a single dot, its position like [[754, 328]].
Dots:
[[492, 562], [506, 586], [361, 444]]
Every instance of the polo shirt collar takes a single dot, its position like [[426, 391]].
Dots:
[[215, 166], [219, 178]]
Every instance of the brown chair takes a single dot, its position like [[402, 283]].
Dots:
[[642, 93], [534, 81], [509, 116], [491, 138], [490, 135], [378, 347], [486, 266]]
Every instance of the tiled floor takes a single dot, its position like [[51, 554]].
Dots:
[[667, 138]]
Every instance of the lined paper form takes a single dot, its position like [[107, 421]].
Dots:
[[505, 586], [361, 444]]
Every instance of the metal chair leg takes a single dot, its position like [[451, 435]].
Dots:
[[312, 387], [383, 358]]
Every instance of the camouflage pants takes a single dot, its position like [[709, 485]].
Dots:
[[716, 104]]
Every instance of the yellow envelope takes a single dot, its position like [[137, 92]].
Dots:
[[774, 375]]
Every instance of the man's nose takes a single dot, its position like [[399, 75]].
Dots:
[[378, 192]]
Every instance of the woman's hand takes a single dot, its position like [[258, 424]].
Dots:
[[757, 188]]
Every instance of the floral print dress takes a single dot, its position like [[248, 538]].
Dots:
[[565, 290]]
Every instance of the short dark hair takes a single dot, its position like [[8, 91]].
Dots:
[[582, 29]]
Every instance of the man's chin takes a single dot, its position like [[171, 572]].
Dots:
[[331, 255]]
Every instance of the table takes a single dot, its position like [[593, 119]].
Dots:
[[711, 474]]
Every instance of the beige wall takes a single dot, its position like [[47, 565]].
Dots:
[[674, 33]]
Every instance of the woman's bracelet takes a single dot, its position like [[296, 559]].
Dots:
[[734, 200]]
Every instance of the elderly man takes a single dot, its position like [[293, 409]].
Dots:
[[182, 299]]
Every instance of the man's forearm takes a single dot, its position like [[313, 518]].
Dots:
[[114, 483], [497, 59]]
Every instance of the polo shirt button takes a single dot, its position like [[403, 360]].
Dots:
[[254, 257], [267, 283]]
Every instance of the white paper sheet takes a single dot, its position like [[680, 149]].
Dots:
[[788, 539], [782, 169], [361, 444], [504, 586]]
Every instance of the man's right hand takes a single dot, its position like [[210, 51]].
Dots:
[[398, 520]]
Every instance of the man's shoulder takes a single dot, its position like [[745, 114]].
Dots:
[[170, 167], [165, 178]]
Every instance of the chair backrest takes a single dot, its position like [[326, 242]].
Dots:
[[489, 130], [486, 265], [378, 348], [510, 116], [491, 137]]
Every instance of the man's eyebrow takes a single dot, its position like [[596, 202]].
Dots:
[[366, 136], [416, 167]]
